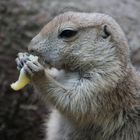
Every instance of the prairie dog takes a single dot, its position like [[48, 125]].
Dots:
[[87, 77]]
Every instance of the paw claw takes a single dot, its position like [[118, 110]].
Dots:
[[29, 63], [27, 70]]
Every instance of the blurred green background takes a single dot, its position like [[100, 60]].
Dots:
[[22, 114]]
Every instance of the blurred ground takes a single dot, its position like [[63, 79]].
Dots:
[[22, 113]]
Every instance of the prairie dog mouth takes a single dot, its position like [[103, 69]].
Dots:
[[55, 70], [52, 64], [55, 73]]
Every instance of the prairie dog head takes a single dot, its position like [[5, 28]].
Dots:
[[82, 42]]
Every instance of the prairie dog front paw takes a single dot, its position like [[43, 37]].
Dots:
[[29, 63], [23, 79]]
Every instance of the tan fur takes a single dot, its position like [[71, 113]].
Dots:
[[97, 94]]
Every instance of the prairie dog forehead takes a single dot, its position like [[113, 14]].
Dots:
[[74, 20]]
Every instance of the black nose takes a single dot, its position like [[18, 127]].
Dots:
[[34, 44], [31, 49], [32, 52]]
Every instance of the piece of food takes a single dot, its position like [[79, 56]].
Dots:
[[23, 79]]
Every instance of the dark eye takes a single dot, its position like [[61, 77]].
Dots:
[[67, 33]]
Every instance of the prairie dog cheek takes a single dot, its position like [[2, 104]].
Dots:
[[55, 73]]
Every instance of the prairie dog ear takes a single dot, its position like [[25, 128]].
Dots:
[[105, 32]]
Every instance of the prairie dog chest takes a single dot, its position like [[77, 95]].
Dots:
[[67, 79]]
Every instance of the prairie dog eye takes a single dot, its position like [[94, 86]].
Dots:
[[68, 33]]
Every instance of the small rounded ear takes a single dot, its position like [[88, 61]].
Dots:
[[106, 33]]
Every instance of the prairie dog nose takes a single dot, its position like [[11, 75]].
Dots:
[[34, 44]]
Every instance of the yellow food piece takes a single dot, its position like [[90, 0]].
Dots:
[[23, 79]]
